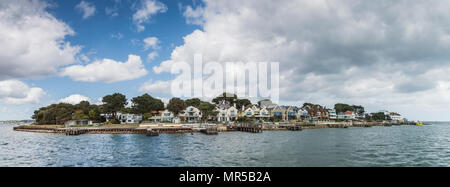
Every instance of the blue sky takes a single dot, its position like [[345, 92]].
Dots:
[[384, 55], [95, 35], [103, 35]]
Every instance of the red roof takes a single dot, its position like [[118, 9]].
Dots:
[[348, 112], [157, 112]]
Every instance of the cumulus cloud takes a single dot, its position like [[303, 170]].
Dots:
[[74, 99], [144, 13], [117, 35], [151, 42], [107, 70], [151, 56], [32, 41], [194, 15], [378, 54], [86, 8], [15, 92], [158, 87]]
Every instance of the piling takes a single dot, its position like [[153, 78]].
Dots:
[[210, 131], [252, 128]]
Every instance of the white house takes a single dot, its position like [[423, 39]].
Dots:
[[162, 116], [167, 116], [191, 114], [254, 112], [332, 113], [227, 114], [130, 118], [346, 115], [396, 116]]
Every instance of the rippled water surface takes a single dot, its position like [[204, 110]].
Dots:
[[376, 146]]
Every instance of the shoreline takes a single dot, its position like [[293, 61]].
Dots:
[[155, 131]]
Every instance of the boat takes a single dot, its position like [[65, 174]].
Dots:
[[419, 123]]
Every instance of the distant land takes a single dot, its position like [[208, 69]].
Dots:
[[17, 122]]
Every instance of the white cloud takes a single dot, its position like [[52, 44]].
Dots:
[[107, 70], [117, 35], [194, 16], [15, 92], [146, 11], [151, 42], [158, 87], [151, 56], [164, 100], [74, 99], [113, 12], [378, 54], [86, 8], [32, 41]]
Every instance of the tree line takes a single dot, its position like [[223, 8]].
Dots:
[[114, 103], [146, 104]]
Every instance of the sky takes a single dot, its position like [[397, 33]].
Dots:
[[384, 55]]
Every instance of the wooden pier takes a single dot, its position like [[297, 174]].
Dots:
[[362, 125], [338, 125], [210, 131], [253, 128], [171, 130], [294, 128], [150, 132], [75, 132]]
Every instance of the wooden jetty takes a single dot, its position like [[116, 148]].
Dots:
[[171, 130], [253, 128], [150, 132], [291, 127], [294, 128], [210, 131], [231, 128], [338, 125], [362, 125], [75, 132]]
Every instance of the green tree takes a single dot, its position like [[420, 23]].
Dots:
[[84, 106], [340, 107], [195, 102], [146, 116], [54, 114], [94, 113], [242, 102], [114, 103], [176, 105], [79, 115], [208, 110], [227, 97], [146, 103], [379, 116]]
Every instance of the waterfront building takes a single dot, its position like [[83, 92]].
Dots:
[[291, 113], [164, 116], [348, 115], [303, 114], [278, 113], [332, 113], [109, 117], [264, 114], [285, 113], [396, 116], [78, 122], [191, 115], [130, 118], [227, 114], [318, 112], [255, 112]]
